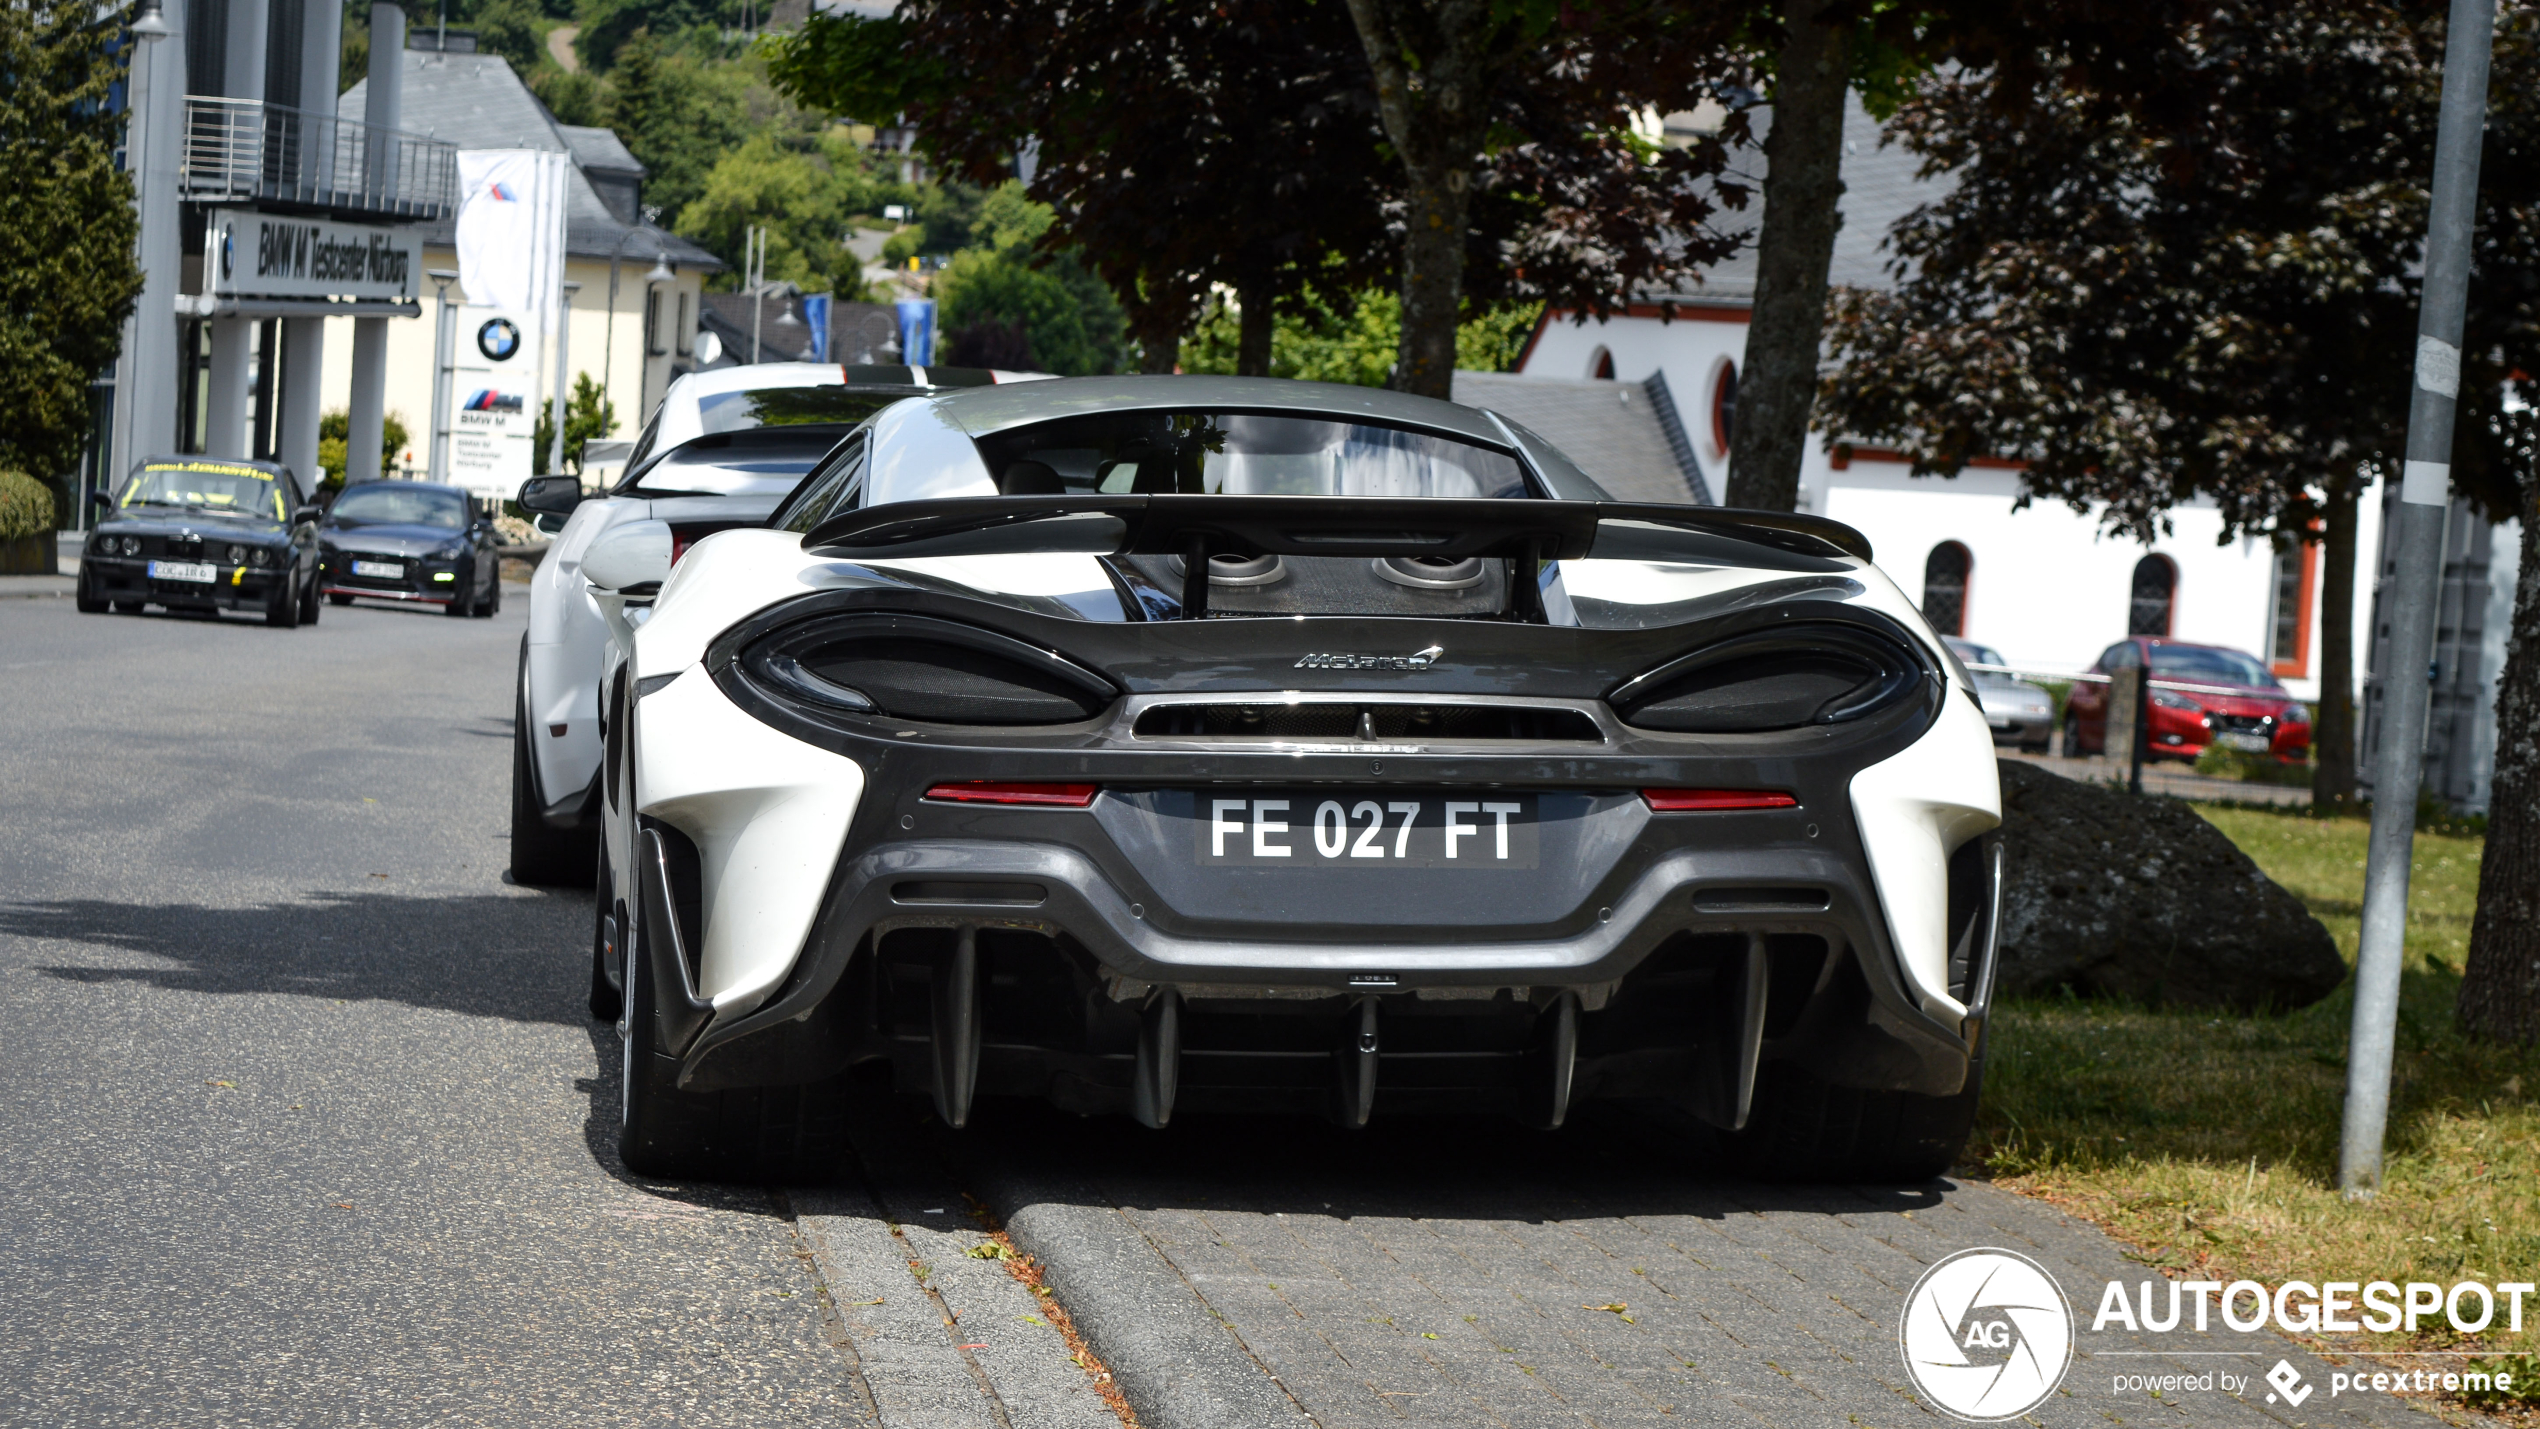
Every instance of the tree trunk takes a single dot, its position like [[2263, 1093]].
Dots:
[[1437, 127], [2333, 732], [2500, 989], [1803, 183], [1253, 327]]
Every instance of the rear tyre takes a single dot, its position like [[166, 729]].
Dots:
[[88, 604], [310, 605], [541, 854], [337, 597], [1803, 1129], [792, 1135], [494, 593], [2072, 737]]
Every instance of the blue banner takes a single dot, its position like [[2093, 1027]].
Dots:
[[816, 317], [917, 331]]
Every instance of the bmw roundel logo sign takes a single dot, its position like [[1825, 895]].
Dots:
[[498, 339]]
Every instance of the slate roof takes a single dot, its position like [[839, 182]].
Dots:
[[476, 102], [1880, 185], [1615, 431]]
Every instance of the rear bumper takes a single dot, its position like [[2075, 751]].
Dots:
[[1641, 956]]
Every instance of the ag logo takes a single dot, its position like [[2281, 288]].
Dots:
[[498, 339], [1987, 1334]]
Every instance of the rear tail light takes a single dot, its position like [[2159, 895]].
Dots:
[[990, 791], [1677, 801]]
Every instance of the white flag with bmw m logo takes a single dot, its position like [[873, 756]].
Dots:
[[511, 229]]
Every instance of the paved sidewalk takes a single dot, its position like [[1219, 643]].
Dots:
[[1470, 1273], [36, 586]]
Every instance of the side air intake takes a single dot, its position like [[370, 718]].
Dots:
[[911, 667], [1777, 679]]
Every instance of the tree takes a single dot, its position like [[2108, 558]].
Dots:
[[335, 432], [677, 115], [2145, 318], [1178, 146], [587, 414], [68, 277], [1317, 340], [1067, 319], [510, 28], [1814, 53], [802, 192], [1512, 123]]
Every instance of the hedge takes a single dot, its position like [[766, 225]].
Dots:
[[26, 506]]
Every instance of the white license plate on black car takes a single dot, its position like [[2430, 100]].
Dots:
[[1376, 828], [379, 570], [182, 571]]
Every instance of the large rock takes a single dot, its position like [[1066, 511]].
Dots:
[[2114, 895]]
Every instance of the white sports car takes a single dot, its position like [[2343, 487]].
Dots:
[[721, 450], [1169, 744]]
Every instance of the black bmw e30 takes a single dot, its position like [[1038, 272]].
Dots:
[[204, 533], [413, 541]]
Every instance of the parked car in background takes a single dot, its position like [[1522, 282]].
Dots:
[[2233, 701], [720, 451], [203, 533], [411, 541], [2019, 713]]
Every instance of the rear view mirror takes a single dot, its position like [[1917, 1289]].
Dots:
[[101, 501], [551, 495], [310, 512], [632, 559]]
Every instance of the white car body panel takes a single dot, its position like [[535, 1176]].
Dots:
[[767, 813], [1914, 809]]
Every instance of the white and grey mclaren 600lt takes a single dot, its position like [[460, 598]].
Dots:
[[1176, 745]]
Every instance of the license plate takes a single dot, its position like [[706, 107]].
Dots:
[[182, 571], [383, 570], [1321, 829], [2248, 743]]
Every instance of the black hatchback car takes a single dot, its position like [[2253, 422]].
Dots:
[[204, 533], [411, 541]]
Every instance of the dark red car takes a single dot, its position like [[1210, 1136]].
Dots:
[[2238, 703]]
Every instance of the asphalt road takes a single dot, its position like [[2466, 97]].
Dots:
[[302, 1122]]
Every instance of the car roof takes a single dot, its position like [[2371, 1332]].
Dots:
[[981, 411], [408, 485]]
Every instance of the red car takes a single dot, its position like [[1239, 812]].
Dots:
[[2239, 703]]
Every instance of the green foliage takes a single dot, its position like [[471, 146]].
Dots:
[[26, 506], [859, 68], [608, 26], [510, 28], [1074, 324], [804, 194], [1317, 341], [335, 430], [946, 219], [68, 276], [574, 97], [587, 414]]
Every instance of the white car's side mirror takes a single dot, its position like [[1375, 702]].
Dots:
[[633, 559]]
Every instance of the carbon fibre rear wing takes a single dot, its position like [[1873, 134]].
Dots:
[[1197, 527]]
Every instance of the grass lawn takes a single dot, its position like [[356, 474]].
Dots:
[[2209, 1141]]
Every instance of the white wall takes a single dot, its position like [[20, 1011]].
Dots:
[[2048, 588], [593, 346]]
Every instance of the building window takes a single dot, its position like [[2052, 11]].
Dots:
[[1723, 406], [2289, 634], [2154, 608], [1945, 573], [652, 323], [1601, 366], [684, 335]]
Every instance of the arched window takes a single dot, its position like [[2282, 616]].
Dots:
[[1945, 573], [1723, 406], [1601, 365], [2155, 602]]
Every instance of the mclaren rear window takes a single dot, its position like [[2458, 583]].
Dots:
[[1243, 453]]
